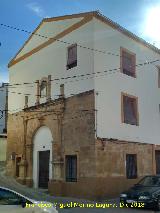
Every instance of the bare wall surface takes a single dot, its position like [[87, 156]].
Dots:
[[3, 147]]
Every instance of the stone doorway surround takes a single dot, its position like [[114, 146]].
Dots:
[[42, 142], [71, 122]]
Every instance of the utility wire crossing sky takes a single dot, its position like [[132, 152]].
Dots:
[[140, 17]]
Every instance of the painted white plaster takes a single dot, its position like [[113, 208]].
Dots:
[[49, 30], [110, 86], [52, 60]]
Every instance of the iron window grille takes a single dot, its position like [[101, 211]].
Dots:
[[71, 168], [131, 166]]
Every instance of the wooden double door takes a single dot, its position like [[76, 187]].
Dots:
[[44, 158]]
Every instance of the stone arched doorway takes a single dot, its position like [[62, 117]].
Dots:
[[42, 157]]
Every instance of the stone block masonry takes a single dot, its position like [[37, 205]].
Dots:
[[101, 162]]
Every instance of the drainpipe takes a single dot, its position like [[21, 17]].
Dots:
[[96, 111], [60, 131], [23, 163], [60, 117], [49, 88], [38, 93], [25, 121], [6, 108]]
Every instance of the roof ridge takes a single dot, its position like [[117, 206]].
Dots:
[[127, 32], [96, 14], [70, 15]]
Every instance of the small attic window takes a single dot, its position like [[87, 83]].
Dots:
[[72, 56]]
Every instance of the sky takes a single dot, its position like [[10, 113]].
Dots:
[[141, 17]]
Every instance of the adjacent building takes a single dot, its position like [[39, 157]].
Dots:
[[3, 107], [3, 121], [84, 115]]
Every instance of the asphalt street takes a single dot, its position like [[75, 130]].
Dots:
[[67, 204]]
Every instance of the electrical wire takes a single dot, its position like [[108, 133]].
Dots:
[[86, 112], [86, 74], [69, 77], [62, 41], [58, 40]]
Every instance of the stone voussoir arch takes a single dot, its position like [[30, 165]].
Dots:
[[42, 139]]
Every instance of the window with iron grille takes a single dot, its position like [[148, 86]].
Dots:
[[157, 159], [72, 56], [130, 110], [131, 166], [128, 63], [71, 168]]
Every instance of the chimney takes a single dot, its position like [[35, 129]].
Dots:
[[26, 102], [49, 88], [38, 93], [62, 90]]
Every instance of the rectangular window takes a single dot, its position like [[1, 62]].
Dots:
[[72, 56], [131, 166], [128, 63], [129, 109], [71, 168], [157, 158]]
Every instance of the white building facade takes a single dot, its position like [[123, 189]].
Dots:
[[3, 107], [97, 35], [86, 52]]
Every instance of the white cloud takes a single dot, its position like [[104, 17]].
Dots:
[[37, 9]]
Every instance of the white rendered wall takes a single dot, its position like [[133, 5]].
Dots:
[[42, 142], [52, 60], [110, 86], [49, 30]]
